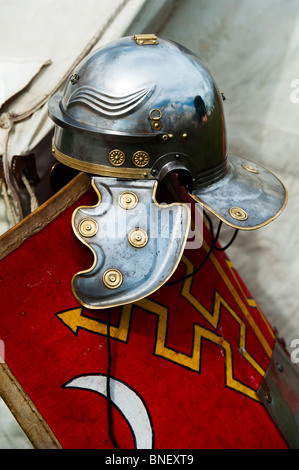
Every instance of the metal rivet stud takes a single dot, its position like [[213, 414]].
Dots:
[[112, 278], [138, 238], [74, 78], [155, 118], [88, 227], [238, 213], [128, 200]]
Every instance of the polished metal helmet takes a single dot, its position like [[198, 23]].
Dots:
[[143, 106], [132, 112]]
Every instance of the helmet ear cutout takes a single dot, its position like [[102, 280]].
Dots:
[[178, 178], [173, 162]]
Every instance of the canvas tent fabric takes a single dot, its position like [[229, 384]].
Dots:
[[54, 38], [35, 66]]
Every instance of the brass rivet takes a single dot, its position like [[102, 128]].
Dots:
[[128, 200], [74, 78], [165, 137], [238, 213], [140, 158], [170, 136], [88, 227], [112, 278], [251, 169], [156, 125], [155, 116], [185, 135], [117, 157], [138, 238]]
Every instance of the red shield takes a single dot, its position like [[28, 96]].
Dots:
[[186, 362]]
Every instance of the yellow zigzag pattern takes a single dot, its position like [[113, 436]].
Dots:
[[193, 362], [232, 290], [214, 316]]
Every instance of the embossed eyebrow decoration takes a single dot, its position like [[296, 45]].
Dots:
[[107, 104]]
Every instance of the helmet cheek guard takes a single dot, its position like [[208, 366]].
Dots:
[[131, 112], [136, 242]]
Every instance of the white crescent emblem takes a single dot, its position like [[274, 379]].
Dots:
[[126, 400]]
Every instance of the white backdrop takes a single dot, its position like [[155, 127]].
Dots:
[[252, 50]]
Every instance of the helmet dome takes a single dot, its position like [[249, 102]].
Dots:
[[141, 107]]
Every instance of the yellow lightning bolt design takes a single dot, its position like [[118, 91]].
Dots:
[[192, 362]]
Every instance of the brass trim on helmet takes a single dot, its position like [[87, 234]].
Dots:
[[138, 238], [238, 213], [128, 200], [140, 159], [101, 170], [143, 39], [112, 278], [116, 157]]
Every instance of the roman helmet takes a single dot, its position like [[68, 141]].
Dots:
[[132, 112]]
